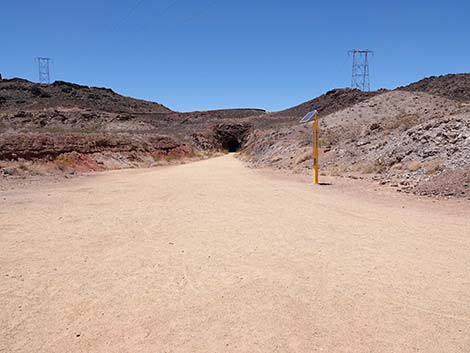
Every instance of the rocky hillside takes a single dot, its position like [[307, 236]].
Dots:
[[453, 86], [415, 138], [21, 95], [67, 107], [329, 102], [45, 123], [414, 141]]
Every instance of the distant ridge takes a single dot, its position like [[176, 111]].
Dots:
[[452, 86]]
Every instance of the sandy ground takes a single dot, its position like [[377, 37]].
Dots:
[[215, 257]]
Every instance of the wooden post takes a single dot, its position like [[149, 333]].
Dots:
[[315, 148]]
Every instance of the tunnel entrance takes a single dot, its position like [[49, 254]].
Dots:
[[232, 145], [231, 137]]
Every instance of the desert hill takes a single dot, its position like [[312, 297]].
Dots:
[[414, 138], [18, 94], [329, 102], [67, 107], [452, 86], [100, 129]]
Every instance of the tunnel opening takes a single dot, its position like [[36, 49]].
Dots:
[[231, 137], [232, 145]]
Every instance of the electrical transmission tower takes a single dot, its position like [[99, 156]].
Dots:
[[360, 69], [44, 73]]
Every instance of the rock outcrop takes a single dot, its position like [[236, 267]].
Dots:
[[50, 146]]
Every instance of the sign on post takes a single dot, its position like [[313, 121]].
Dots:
[[313, 116]]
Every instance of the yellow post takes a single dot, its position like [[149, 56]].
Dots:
[[315, 148]]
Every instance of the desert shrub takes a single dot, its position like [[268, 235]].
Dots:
[[8, 171], [53, 129], [63, 163], [37, 92], [413, 166], [376, 167], [338, 170], [323, 142], [368, 168], [24, 167], [327, 138], [90, 129], [306, 138], [27, 168], [334, 171], [172, 157], [431, 167], [307, 155], [400, 166], [403, 122]]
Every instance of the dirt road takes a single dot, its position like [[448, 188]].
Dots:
[[215, 257]]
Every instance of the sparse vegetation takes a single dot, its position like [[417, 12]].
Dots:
[[63, 163], [329, 137], [306, 138], [3, 126], [402, 122], [413, 166], [307, 155], [363, 133], [434, 166], [375, 167]]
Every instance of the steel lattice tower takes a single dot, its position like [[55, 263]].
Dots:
[[44, 74], [360, 69]]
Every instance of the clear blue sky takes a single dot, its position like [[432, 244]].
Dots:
[[205, 54]]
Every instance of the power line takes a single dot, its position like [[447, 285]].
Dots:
[[44, 72], [165, 10], [204, 9], [195, 14], [360, 69], [130, 12], [137, 5]]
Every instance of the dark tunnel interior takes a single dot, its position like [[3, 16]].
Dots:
[[232, 145]]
